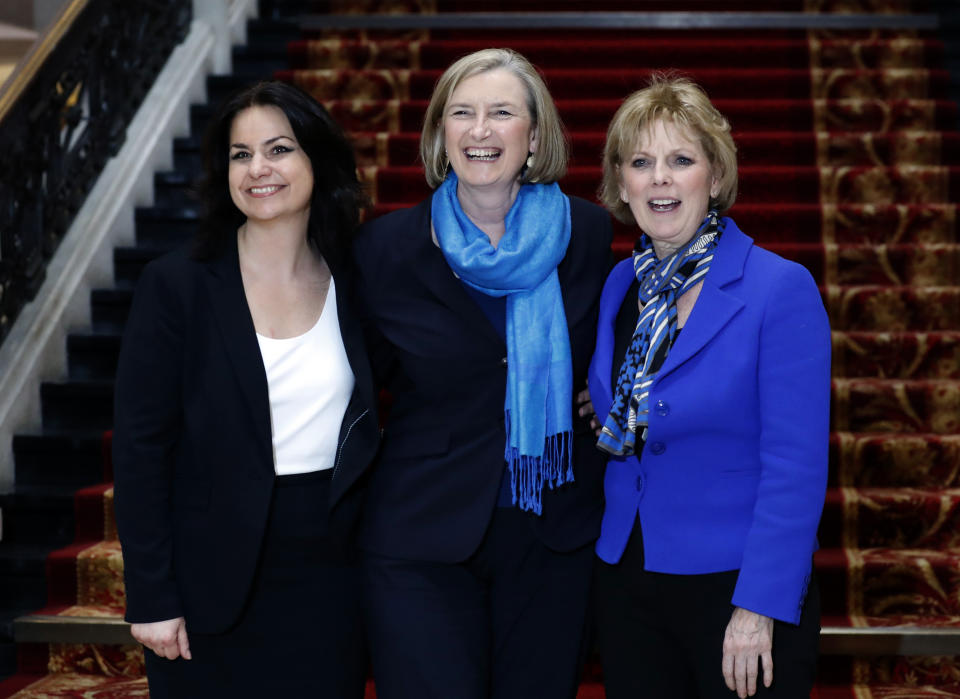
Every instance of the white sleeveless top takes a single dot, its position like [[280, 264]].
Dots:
[[310, 383]]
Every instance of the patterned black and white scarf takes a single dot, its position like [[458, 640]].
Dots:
[[662, 282]]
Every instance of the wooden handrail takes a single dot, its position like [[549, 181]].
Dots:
[[30, 64]]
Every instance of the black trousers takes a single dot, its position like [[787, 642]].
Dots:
[[507, 623], [661, 636], [301, 632]]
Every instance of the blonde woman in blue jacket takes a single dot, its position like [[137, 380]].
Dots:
[[711, 386]]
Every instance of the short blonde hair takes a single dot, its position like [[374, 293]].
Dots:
[[550, 162], [684, 103]]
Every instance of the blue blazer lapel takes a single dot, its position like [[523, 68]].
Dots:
[[225, 287], [715, 306], [601, 365]]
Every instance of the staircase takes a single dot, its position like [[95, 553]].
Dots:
[[849, 143]]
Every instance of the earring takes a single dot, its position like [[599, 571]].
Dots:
[[530, 161]]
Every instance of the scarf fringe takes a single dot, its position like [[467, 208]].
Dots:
[[528, 474]]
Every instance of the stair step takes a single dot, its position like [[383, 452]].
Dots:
[[38, 515], [890, 587], [744, 114], [79, 683], [858, 264], [870, 309], [92, 355], [77, 405], [883, 690], [110, 308], [902, 518], [900, 640], [220, 87], [896, 405], [258, 62], [689, 50], [901, 355], [908, 670], [172, 190], [894, 460], [59, 459], [602, 83], [268, 32], [162, 227], [23, 584], [187, 153], [897, 265], [128, 263], [74, 626]]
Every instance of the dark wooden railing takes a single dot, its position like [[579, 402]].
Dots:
[[63, 114]]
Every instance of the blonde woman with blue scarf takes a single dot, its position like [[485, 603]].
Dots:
[[711, 384], [481, 513]]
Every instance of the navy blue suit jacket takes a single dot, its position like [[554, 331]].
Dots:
[[436, 481], [192, 446], [734, 470]]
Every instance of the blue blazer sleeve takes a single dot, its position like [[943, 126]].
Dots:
[[793, 369]]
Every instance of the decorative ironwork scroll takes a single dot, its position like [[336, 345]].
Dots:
[[66, 122]]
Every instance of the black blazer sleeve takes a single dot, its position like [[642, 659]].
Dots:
[[147, 426]]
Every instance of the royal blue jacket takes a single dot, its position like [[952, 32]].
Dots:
[[734, 470]]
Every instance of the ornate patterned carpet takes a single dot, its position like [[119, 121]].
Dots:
[[850, 164]]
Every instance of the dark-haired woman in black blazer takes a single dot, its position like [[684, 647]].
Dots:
[[244, 420]]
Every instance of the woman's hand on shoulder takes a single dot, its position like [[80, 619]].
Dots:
[[748, 636], [168, 639]]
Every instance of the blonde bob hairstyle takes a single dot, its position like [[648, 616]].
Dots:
[[550, 161], [685, 104]]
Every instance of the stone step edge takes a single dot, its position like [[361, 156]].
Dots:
[[51, 628], [834, 640]]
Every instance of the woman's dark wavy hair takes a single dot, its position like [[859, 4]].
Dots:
[[337, 194]]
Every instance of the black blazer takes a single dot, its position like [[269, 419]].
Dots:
[[433, 491], [192, 446]]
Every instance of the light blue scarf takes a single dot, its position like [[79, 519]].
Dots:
[[523, 267]]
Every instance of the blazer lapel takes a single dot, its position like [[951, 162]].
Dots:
[[601, 365], [232, 315], [350, 331], [714, 307], [431, 267]]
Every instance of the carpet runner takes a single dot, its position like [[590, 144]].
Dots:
[[849, 163]]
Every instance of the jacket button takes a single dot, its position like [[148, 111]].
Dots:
[[639, 482], [658, 447], [662, 408], [503, 362]]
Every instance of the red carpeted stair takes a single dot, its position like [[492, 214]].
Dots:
[[850, 164]]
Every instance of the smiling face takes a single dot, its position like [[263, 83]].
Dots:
[[270, 176], [488, 130], [667, 182]]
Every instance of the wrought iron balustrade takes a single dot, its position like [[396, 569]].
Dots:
[[62, 116]]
